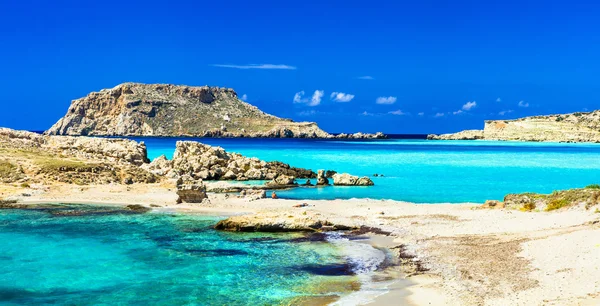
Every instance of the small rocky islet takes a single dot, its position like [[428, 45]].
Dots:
[[136, 109]]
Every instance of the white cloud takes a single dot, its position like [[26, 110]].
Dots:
[[257, 66], [504, 112], [421, 114], [245, 97], [314, 100], [458, 112], [386, 100], [467, 106], [498, 100], [397, 113], [523, 104], [307, 113], [298, 97], [438, 115], [341, 97], [366, 77], [365, 113]]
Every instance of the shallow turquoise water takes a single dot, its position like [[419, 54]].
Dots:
[[154, 258], [423, 171]]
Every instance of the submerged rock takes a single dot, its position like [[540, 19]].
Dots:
[[346, 179]]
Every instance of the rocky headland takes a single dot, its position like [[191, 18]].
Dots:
[[575, 127], [135, 109]]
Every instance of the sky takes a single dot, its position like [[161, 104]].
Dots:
[[390, 66]]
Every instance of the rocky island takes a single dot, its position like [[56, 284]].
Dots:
[[575, 127], [135, 109]]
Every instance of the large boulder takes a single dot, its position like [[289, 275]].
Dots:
[[190, 190], [282, 181], [346, 179], [321, 178], [214, 163]]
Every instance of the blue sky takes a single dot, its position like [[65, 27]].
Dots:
[[433, 66]]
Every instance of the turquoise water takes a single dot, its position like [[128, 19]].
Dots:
[[423, 171], [111, 258]]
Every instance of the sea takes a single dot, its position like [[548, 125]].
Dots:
[[419, 170], [67, 254]]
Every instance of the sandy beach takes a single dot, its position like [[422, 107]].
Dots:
[[470, 256]]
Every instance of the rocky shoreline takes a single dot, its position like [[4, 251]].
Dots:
[[29, 158], [575, 127]]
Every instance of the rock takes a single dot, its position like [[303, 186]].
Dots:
[[138, 208], [493, 204], [229, 175], [321, 178], [253, 194], [160, 166], [214, 163], [190, 190], [307, 183], [329, 173], [346, 179], [279, 222], [282, 181]]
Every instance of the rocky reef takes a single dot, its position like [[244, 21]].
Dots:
[[575, 127], [135, 109], [309, 221]]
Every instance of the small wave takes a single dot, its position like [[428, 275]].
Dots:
[[362, 257], [364, 260]]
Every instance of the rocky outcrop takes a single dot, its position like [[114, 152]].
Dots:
[[190, 190], [134, 109], [575, 127], [282, 181], [214, 163], [346, 179], [73, 160], [113, 150], [360, 135], [321, 178], [280, 222]]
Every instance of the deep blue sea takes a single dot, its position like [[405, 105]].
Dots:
[[422, 171], [101, 256]]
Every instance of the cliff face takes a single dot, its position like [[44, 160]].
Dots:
[[576, 127], [133, 109]]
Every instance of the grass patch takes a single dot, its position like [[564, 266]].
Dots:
[[592, 186], [557, 203], [6, 168]]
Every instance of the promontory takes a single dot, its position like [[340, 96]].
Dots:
[[575, 127], [135, 109]]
